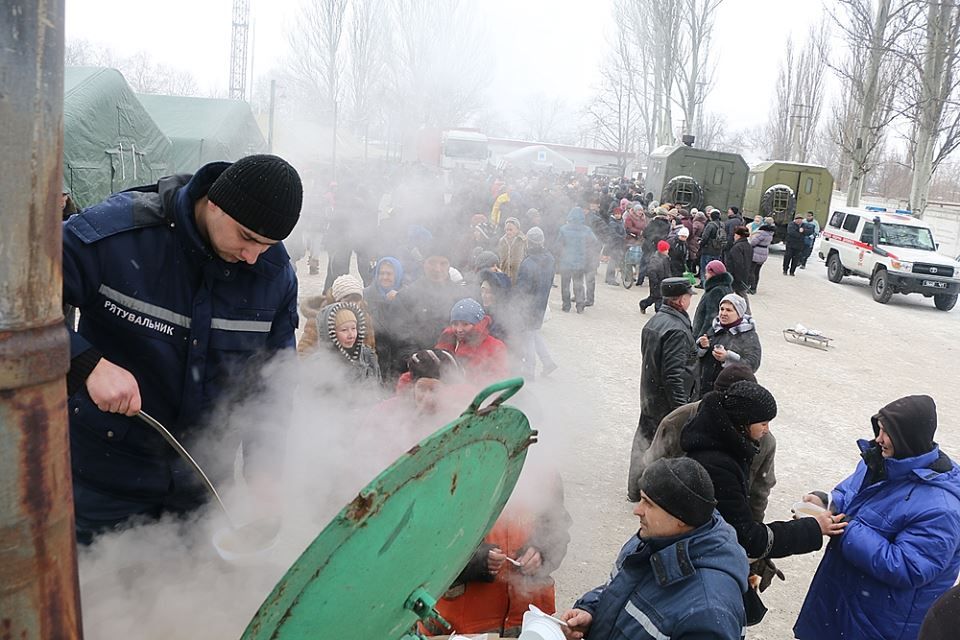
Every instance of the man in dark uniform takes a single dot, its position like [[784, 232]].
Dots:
[[182, 287], [667, 377]]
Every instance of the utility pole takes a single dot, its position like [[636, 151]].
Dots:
[[238, 50], [796, 131], [39, 588]]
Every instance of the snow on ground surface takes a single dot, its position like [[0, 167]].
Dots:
[[825, 399]]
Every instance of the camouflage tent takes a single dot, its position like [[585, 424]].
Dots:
[[109, 141], [203, 130]]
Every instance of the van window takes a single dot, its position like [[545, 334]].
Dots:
[[867, 235], [752, 180], [718, 175], [836, 219], [808, 186], [850, 223]]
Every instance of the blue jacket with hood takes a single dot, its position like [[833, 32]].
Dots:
[[576, 242], [900, 551], [157, 301], [687, 587]]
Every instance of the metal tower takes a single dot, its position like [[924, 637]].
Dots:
[[238, 50]]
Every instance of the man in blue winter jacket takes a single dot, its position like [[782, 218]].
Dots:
[[183, 289], [682, 576], [901, 548]]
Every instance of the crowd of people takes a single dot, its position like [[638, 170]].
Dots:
[[450, 291]]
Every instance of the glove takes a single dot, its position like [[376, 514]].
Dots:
[[766, 570]]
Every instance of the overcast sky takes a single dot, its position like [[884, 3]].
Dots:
[[549, 47]]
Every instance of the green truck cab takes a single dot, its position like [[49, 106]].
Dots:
[[690, 177], [779, 189]]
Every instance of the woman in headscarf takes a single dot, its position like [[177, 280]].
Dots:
[[732, 338]]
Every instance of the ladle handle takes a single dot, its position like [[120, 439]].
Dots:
[[173, 442], [509, 388]]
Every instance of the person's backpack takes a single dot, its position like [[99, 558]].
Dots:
[[715, 243]]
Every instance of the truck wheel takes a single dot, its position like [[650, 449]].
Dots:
[[945, 301], [780, 203], [683, 191], [881, 288], [834, 268]]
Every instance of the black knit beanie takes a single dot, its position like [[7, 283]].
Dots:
[[910, 422], [733, 374], [682, 488], [261, 192], [747, 403]]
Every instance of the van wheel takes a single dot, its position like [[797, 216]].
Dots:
[[881, 288], [834, 268], [945, 301]]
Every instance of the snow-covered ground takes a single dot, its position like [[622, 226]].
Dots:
[[825, 398]]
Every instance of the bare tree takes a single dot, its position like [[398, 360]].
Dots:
[[646, 51], [712, 133], [869, 76], [934, 113], [316, 65], [798, 100], [611, 122], [442, 62], [694, 74], [365, 72], [545, 120]]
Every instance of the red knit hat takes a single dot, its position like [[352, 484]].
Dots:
[[663, 245]]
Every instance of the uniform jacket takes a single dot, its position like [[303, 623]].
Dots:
[[761, 243], [534, 281], [666, 444], [739, 263], [686, 587], [725, 452], [483, 357], [667, 378], [576, 242], [155, 300], [742, 344], [900, 551], [716, 287]]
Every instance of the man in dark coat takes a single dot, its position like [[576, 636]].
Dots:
[[681, 576], [534, 281], [712, 242], [658, 269], [734, 220], [656, 230], [668, 373], [422, 310], [793, 254], [740, 262], [184, 288]]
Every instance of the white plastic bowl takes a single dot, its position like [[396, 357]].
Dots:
[[803, 509], [233, 547], [539, 626]]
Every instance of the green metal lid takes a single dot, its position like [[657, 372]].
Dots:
[[379, 566]]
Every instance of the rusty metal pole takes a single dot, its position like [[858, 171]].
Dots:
[[39, 592]]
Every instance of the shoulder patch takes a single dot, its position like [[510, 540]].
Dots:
[[119, 213]]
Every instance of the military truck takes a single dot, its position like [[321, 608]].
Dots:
[[779, 189], [692, 177]]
